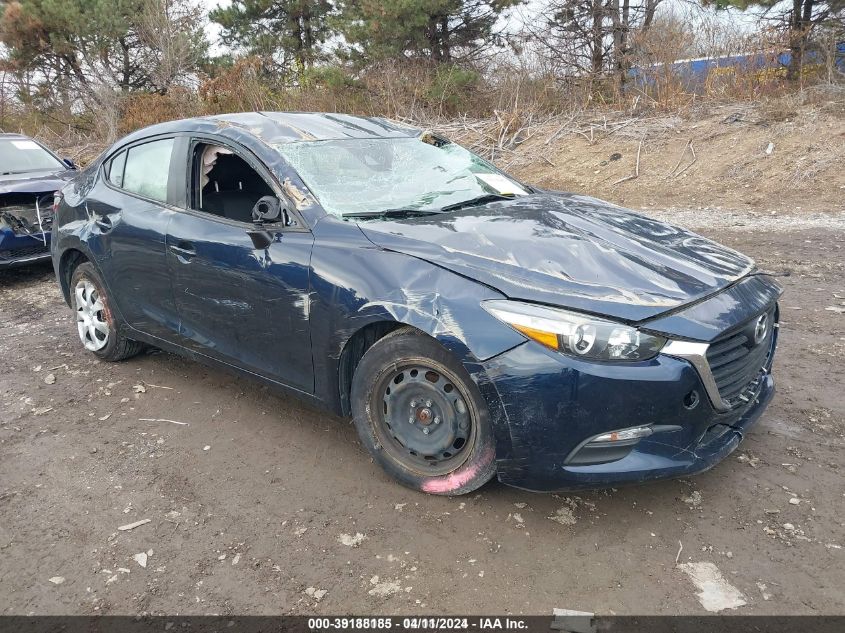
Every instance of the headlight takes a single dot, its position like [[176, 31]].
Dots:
[[576, 334]]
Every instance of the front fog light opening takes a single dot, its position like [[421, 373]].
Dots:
[[691, 400], [607, 447]]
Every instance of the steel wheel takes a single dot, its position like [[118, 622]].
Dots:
[[421, 416], [90, 316], [424, 421]]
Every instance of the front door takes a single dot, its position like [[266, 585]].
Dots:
[[241, 304]]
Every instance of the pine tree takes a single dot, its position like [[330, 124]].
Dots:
[[287, 35], [435, 30]]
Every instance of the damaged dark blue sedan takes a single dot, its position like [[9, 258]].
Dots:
[[470, 324], [29, 176]]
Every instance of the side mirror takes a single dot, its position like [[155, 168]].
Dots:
[[261, 238], [267, 209], [69, 163]]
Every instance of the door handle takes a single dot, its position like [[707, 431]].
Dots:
[[103, 222], [183, 250]]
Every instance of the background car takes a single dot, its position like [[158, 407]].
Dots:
[[472, 325], [29, 176]]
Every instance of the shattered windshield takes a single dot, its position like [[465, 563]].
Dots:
[[366, 176], [19, 156]]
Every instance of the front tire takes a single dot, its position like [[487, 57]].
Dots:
[[96, 323], [421, 417]]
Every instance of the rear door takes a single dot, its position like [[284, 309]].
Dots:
[[129, 212], [239, 303]]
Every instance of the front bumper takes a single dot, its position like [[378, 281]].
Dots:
[[545, 406], [21, 250]]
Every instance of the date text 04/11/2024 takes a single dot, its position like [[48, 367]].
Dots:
[[417, 623]]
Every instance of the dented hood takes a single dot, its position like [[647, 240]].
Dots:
[[570, 251], [35, 182]]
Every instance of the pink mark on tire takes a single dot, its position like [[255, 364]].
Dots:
[[456, 479]]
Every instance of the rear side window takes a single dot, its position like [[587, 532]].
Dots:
[[114, 170], [146, 169]]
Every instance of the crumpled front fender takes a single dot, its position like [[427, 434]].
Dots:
[[356, 284]]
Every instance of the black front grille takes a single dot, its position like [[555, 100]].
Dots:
[[737, 361], [29, 251]]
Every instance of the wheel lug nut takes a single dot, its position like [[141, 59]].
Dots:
[[426, 431], [436, 419], [428, 403], [413, 403], [411, 420]]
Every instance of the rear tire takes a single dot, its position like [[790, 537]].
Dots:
[[97, 325], [421, 417]]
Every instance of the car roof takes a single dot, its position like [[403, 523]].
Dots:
[[13, 135], [288, 127]]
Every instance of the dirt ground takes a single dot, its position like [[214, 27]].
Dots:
[[257, 504]]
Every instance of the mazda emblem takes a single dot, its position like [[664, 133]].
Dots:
[[761, 328]]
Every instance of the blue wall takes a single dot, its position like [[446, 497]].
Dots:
[[694, 72]]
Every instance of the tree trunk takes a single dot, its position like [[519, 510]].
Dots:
[[126, 72], [622, 65], [444, 38], [618, 43], [3, 101], [799, 31], [299, 51], [597, 38], [307, 38], [648, 16], [433, 40]]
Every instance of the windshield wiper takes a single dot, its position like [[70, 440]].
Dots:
[[391, 213], [473, 202]]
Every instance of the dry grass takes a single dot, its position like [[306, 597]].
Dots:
[[731, 167], [710, 151]]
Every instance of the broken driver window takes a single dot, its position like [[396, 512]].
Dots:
[[225, 185]]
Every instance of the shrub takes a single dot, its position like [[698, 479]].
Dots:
[[451, 89]]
